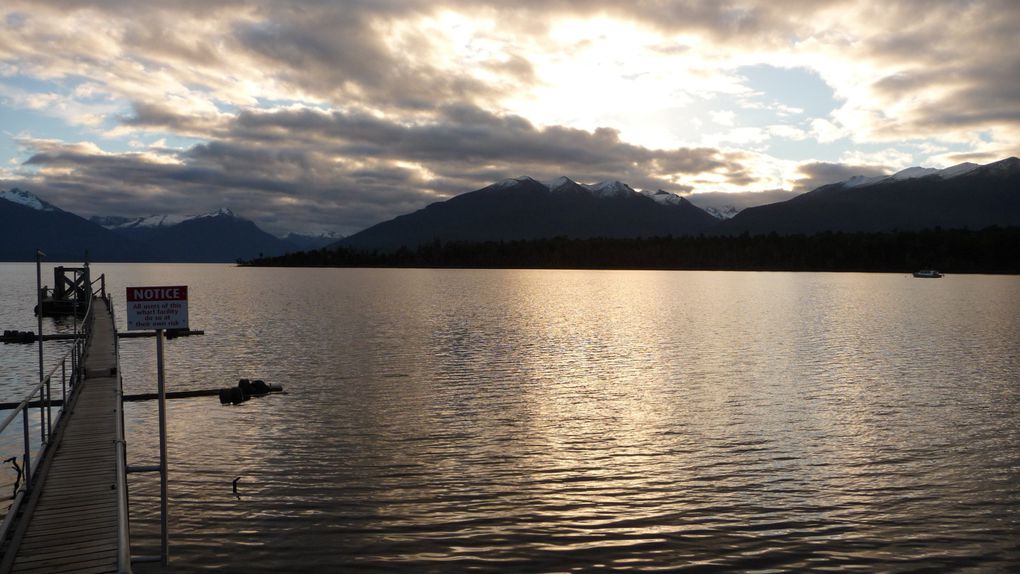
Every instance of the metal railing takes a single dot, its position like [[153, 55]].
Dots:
[[120, 444], [71, 371]]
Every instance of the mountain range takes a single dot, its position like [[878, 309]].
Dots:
[[524, 208], [28, 222], [963, 196]]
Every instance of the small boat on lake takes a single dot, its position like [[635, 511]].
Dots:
[[927, 274]]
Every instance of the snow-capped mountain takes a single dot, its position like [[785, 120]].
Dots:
[[154, 221], [602, 189], [912, 173], [28, 223], [215, 236], [965, 196], [610, 189], [560, 182], [957, 170], [524, 208], [864, 180], [724, 212], [305, 242], [664, 197], [27, 199], [723, 205]]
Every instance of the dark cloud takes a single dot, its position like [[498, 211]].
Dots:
[[771, 22], [955, 59], [254, 183], [466, 136], [817, 174], [981, 99], [350, 52], [161, 117]]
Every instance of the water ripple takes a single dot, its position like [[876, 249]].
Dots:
[[547, 421]]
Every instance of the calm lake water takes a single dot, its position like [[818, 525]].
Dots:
[[553, 421]]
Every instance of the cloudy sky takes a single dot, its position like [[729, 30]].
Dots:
[[331, 116]]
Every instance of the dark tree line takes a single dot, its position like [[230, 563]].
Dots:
[[992, 250]]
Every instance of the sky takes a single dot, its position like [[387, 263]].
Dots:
[[315, 116]]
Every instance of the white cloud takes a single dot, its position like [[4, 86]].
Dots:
[[788, 132], [826, 131], [746, 136], [895, 158], [723, 118]]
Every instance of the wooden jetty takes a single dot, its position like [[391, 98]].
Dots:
[[70, 509], [75, 517]]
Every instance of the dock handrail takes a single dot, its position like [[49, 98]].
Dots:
[[123, 535], [44, 390]]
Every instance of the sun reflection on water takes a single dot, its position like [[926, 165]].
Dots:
[[533, 420]]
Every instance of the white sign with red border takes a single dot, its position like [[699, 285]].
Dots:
[[150, 308]]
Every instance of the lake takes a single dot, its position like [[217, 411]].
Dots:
[[552, 421]]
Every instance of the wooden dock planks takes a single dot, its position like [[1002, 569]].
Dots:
[[73, 524]]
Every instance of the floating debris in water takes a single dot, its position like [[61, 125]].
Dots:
[[246, 389]]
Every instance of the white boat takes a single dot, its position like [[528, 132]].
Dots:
[[927, 274]]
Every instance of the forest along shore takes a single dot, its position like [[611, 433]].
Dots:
[[990, 250]]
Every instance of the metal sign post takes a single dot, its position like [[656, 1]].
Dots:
[[159, 308], [164, 538]]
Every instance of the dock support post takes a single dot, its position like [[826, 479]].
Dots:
[[38, 296], [28, 451], [164, 537]]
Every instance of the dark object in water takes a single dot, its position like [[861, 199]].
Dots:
[[246, 389], [10, 336], [17, 481], [232, 395], [927, 274]]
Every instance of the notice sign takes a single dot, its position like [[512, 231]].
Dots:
[[150, 308]]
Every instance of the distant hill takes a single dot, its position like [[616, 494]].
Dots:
[[727, 205], [967, 196], [28, 223], [305, 242], [219, 236], [524, 208]]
